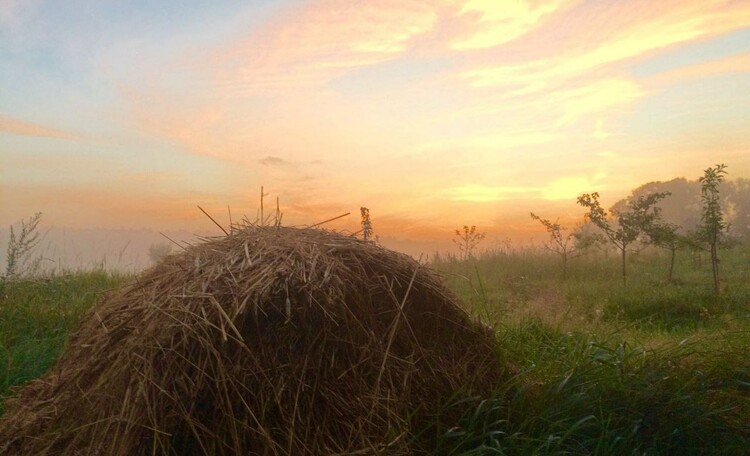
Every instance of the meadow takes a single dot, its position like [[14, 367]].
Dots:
[[658, 367]]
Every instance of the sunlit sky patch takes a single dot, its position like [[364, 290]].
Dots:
[[432, 114]]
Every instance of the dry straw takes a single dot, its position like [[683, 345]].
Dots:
[[269, 341]]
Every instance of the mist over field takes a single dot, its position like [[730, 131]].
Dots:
[[128, 250]]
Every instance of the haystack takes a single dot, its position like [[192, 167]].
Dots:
[[269, 341]]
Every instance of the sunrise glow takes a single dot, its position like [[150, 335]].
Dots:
[[432, 114]]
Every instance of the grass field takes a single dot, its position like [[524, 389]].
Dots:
[[36, 317], [656, 368]]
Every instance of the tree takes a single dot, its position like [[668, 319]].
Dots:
[[20, 246], [467, 240], [631, 224], [712, 220], [559, 243], [665, 235], [681, 208], [585, 237]]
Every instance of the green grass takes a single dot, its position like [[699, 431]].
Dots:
[[36, 317], [655, 368], [578, 393]]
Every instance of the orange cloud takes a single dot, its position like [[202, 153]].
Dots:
[[87, 206], [20, 127], [320, 41]]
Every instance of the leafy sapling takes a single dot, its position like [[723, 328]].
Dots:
[[559, 243], [628, 226], [713, 227]]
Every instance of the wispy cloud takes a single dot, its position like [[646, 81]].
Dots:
[[273, 161], [644, 29], [739, 63], [315, 43], [490, 23], [595, 97], [20, 127]]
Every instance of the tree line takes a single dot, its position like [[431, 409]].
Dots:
[[640, 221]]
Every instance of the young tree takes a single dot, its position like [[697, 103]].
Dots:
[[665, 235], [712, 220], [467, 240], [559, 243], [641, 214]]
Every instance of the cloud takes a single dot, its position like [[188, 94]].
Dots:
[[483, 193], [645, 31], [595, 97], [313, 44], [273, 161], [152, 177], [739, 63], [500, 21], [20, 127], [600, 133], [568, 188], [607, 154], [557, 189]]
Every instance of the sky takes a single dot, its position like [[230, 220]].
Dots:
[[433, 114]]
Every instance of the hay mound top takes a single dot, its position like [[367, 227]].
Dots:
[[270, 341]]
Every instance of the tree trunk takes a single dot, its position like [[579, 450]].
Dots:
[[565, 267], [715, 267], [624, 271], [671, 264]]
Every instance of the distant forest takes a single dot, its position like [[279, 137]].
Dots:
[[683, 206]]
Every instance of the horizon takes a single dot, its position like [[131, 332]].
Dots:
[[434, 115]]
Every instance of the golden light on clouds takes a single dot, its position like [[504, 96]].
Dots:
[[418, 110], [501, 21], [566, 188], [315, 42], [483, 194], [596, 97]]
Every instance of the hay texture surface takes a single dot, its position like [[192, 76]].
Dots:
[[270, 341]]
